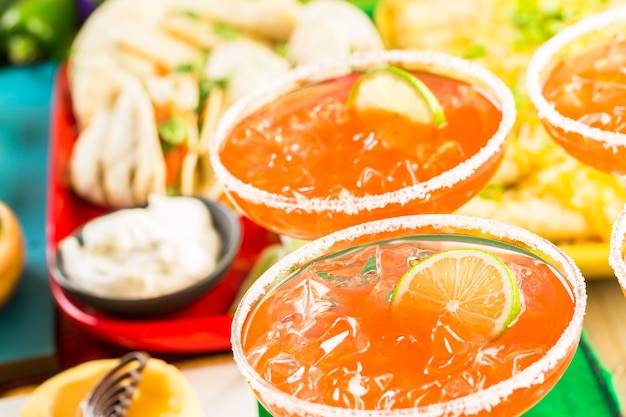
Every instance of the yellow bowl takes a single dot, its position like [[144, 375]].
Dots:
[[592, 259]]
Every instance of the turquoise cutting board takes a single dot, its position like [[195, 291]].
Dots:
[[27, 322]]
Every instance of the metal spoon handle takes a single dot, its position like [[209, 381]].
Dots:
[[113, 394]]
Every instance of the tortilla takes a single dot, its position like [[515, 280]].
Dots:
[[85, 162], [131, 170], [331, 29], [171, 49], [245, 65], [269, 19]]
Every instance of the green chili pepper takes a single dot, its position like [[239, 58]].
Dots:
[[33, 30], [5, 4]]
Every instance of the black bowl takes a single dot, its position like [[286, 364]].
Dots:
[[228, 227]]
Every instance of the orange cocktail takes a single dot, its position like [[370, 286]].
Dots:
[[427, 315], [577, 82], [297, 158]]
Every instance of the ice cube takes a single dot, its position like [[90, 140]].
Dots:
[[453, 346], [395, 260], [303, 383], [404, 173], [342, 342], [502, 361], [371, 179], [464, 383], [300, 310], [330, 111], [380, 296], [350, 272], [349, 387], [608, 91], [448, 154], [573, 93], [425, 394]]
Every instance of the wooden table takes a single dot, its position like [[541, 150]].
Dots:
[[605, 325]]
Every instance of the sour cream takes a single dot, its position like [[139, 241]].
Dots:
[[143, 252]]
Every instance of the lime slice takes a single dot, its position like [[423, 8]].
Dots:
[[473, 288], [394, 90]]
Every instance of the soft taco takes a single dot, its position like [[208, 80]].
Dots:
[[149, 81]]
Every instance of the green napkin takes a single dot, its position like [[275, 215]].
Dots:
[[586, 389]]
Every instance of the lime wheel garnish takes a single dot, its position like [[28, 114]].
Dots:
[[395, 90], [474, 289]]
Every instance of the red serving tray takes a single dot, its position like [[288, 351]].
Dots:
[[202, 327]]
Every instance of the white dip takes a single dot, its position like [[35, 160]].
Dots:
[[144, 252]]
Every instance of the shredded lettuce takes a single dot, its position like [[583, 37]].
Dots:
[[172, 132], [225, 31], [492, 191], [538, 21]]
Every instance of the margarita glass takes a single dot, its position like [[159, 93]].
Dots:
[[316, 334], [577, 83], [295, 158], [618, 249]]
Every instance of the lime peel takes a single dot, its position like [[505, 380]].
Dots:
[[465, 273], [395, 90]]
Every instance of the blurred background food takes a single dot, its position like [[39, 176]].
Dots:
[[539, 186], [143, 252], [36, 30], [150, 261], [12, 252], [149, 80], [176, 69]]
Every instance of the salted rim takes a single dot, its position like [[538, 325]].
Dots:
[[319, 71], [618, 239], [542, 57], [469, 404]]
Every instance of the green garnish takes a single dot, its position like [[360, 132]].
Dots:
[[186, 67], [225, 31], [475, 50], [370, 265], [205, 88], [196, 65], [492, 192], [538, 22], [364, 277], [172, 132], [189, 13], [173, 190], [281, 50], [520, 97]]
